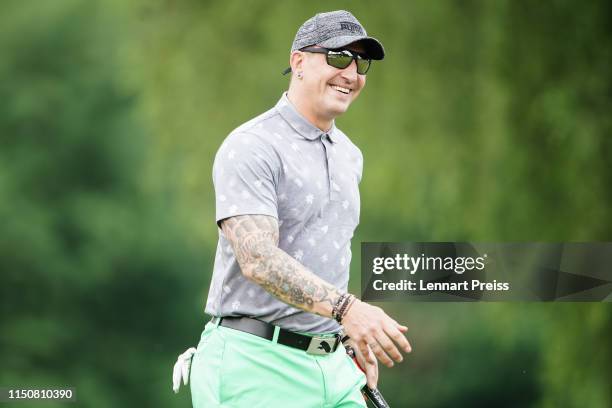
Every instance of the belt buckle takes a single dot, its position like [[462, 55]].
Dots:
[[322, 345]]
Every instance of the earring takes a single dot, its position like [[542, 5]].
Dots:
[[299, 75]]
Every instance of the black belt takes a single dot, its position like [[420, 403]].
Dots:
[[310, 344]]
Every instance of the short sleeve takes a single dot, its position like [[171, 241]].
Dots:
[[244, 176]]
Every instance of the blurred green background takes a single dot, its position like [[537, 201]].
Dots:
[[487, 121]]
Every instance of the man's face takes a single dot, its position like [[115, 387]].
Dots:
[[331, 90]]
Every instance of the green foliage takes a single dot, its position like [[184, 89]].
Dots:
[[486, 121], [92, 265]]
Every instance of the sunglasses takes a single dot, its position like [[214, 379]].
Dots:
[[342, 58]]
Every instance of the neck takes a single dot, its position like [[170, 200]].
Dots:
[[306, 109]]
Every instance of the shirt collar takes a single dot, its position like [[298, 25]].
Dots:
[[300, 124]]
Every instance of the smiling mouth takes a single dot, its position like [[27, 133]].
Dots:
[[340, 89]]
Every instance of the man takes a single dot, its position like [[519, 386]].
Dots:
[[287, 200]]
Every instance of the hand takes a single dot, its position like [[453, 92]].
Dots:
[[181, 369], [370, 369], [374, 332]]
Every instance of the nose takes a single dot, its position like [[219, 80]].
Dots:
[[350, 72]]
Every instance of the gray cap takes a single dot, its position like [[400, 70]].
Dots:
[[336, 29]]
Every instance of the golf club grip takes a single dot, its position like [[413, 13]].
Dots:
[[375, 397]]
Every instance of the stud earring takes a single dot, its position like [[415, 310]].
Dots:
[[299, 75]]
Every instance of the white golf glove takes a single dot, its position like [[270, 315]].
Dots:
[[181, 369]]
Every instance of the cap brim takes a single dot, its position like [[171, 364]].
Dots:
[[372, 46]]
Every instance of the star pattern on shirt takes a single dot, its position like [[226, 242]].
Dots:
[[308, 185], [298, 255]]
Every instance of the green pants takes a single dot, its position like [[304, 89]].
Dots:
[[236, 369]]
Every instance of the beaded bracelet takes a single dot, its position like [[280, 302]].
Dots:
[[350, 303], [337, 305], [343, 307]]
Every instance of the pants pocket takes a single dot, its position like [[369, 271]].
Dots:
[[205, 369]]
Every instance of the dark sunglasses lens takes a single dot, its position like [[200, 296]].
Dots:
[[363, 65], [338, 60]]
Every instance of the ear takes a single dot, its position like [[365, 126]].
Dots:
[[296, 61]]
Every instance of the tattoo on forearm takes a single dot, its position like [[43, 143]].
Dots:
[[254, 239]]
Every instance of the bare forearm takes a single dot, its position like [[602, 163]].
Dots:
[[254, 240], [293, 283]]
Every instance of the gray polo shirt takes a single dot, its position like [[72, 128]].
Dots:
[[279, 164]]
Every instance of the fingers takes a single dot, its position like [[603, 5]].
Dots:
[[389, 347], [400, 327], [371, 375], [365, 352], [370, 327], [379, 352], [398, 337], [383, 348], [386, 345]]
